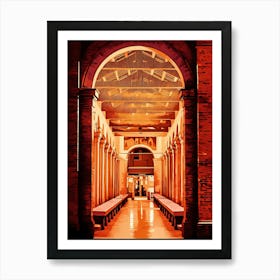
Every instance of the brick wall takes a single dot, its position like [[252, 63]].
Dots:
[[204, 62]]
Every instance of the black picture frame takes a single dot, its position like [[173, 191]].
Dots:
[[53, 27]]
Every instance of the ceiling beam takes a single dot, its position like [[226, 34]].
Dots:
[[140, 111], [140, 124], [140, 134], [154, 67], [140, 107], [137, 119], [138, 101], [136, 116], [142, 79], [158, 87], [136, 129]]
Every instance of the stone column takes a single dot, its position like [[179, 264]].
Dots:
[[157, 174], [168, 173], [113, 173], [176, 186], [172, 172], [95, 169], [178, 167], [101, 170], [117, 175], [106, 171], [162, 174], [189, 99], [110, 185], [85, 163], [166, 177]]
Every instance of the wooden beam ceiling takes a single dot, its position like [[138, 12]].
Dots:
[[136, 117], [139, 93]]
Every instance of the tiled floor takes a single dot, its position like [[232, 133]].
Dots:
[[139, 219]]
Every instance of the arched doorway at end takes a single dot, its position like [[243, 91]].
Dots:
[[140, 170]]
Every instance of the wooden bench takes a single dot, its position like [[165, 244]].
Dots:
[[157, 197], [123, 197], [104, 212], [173, 211]]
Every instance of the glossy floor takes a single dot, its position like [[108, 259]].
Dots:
[[139, 219]]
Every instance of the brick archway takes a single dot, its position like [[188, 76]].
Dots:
[[196, 100], [97, 53]]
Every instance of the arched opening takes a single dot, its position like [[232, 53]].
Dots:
[[139, 89], [138, 99], [140, 170]]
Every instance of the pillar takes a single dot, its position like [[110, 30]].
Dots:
[[113, 174], [166, 179], [95, 169], [176, 169], [168, 173], [189, 99], [101, 169], [106, 171], [162, 172], [172, 172], [157, 174], [182, 170], [110, 185], [74, 52], [204, 95], [85, 163]]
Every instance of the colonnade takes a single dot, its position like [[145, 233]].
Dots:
[[99, 165], [105, 168], [173, 171], [98, 177]]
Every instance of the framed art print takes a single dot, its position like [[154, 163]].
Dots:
[[139, 140]]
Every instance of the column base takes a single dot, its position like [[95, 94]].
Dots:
[[86, 231], [189, 231], [204, 230], [73, 232]]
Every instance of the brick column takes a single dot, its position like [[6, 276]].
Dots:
[[182, 170], [189, 99], [204, 95], [74, 51], [85, 163]]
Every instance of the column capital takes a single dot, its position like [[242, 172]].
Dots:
[[107, 146], [102, 140], [170, 149], [111, 149], [88, 92], [177, 141], [98, 133]]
